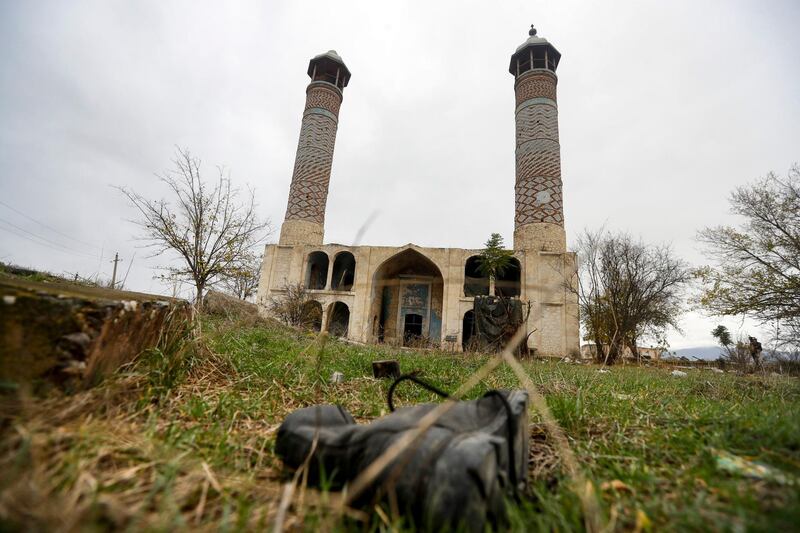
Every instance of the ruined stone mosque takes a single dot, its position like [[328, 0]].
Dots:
[[384, 294]]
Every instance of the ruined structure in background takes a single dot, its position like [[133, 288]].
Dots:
[[415, 295]]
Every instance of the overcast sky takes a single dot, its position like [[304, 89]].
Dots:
[[664, 107]]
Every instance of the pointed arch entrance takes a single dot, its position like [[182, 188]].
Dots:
[[407, 298]]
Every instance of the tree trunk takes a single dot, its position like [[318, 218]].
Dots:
[[600, 353], [198, 299], [613, 352], [491, 286], [634, 351]]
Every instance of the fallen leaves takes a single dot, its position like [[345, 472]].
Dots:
[[615, 485], [742, 466]]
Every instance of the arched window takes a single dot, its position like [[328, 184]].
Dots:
[[317, 270], [508, 284], [344, 272], [312, 315], [475, 283], [338, 319]]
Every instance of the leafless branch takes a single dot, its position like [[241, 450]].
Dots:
[[211, 233]]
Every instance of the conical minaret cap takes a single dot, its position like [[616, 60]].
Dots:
[[329, 62], [537, 44]]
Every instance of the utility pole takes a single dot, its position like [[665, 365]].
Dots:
[[114, 275]]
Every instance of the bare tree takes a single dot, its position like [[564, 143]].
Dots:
[[590, 290], [209, 231], [242, 282], [627, 290], [295, 307], [757, 270]]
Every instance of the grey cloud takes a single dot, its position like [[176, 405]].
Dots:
[[664, 107]]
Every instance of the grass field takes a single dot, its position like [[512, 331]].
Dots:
[[185, 441]]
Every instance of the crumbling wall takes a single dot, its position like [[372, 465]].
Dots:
[[73, 336]]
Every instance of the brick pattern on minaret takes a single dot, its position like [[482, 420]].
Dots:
[[308, 193], [538, 173]]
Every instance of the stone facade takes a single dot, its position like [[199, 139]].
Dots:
[[397, 294], [377, 299]]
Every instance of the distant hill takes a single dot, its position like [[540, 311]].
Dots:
[[706, 353]]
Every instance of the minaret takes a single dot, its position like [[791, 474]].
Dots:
[[539, 212], [305, 214]]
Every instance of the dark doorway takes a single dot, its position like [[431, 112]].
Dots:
[[339, 319], [412, 329], [467, 329], [384, 317]]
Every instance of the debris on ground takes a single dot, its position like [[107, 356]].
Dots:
[[337, 377], [642, 522], [603, 370], [497, 318], [622, 396], [388, 368], [735, 464], [679, 373], [616, 485]]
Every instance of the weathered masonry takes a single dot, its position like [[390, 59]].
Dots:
[[396, 295]]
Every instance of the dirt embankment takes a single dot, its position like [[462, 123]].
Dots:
[[70, 335]]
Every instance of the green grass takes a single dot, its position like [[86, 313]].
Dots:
[[655, 433]]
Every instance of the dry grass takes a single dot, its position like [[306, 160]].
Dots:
[[92, 458], [184, 440]]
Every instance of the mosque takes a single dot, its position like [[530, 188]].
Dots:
[[387, 294]]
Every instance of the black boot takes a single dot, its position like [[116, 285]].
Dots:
[[457, 475]]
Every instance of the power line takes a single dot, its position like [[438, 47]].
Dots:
[[46, 239], [48, 227], [47, 243], [130, 264], [22, 236], [34, 241]]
